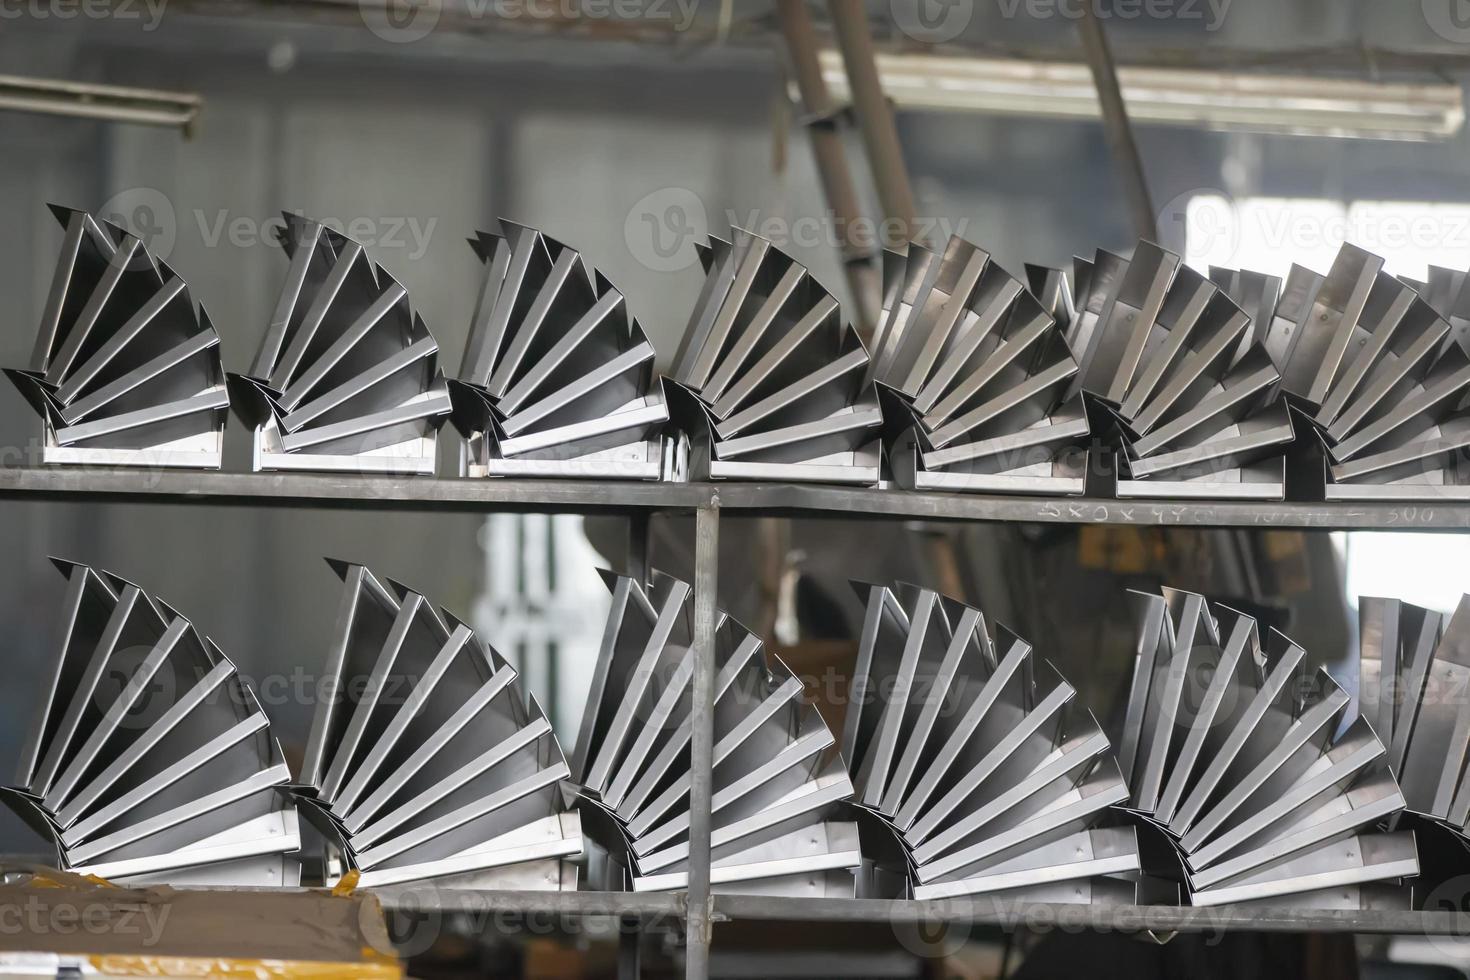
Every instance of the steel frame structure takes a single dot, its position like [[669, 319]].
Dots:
[[695, 908]]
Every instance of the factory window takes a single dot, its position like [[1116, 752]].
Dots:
[[1268, 234]]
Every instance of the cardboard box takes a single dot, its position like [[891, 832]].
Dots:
[[55, 926]]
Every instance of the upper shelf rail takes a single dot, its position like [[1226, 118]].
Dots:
[[742, 499]]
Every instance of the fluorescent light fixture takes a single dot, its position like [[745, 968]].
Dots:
[[110, 103], [1226, 101]]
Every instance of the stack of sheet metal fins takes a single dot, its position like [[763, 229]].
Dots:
[[346, 377], [126, 369], [1412, 665], [1448, 291], [1383, 374], [1181, 365], [977, 766], [557, 378], [779, 785], [425, 760], [973, 368], [1233, 751], [769, 383], [149, 759]]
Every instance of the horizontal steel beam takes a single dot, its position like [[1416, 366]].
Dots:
[[997, 911], [809, 501], [983, 911], [425, 897]]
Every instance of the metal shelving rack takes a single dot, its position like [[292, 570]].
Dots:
[[697, 909]]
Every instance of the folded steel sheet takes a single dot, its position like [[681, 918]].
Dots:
[[1243, 761], [126, 367], [1178, 365], [1376, 367], [971, 367], [148, 758], [425, 761], [769, 383], [557, 378], [779, 785], [346, 378], [973, 776]]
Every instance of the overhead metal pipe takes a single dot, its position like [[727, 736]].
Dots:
[[874, 114], [821, 120], [108, 103], [1117, 126]]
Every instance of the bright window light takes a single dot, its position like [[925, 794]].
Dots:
[[1269, 234], [1430, 570]]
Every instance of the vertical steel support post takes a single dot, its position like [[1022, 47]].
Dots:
[[706, 584], [630, 932], [639, 546], [875, 117], [821, 119]]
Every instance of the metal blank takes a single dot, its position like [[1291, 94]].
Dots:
[[346, 377], [425, 761], [148, 759], [778, 785], [769, 383], [126, 368]]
